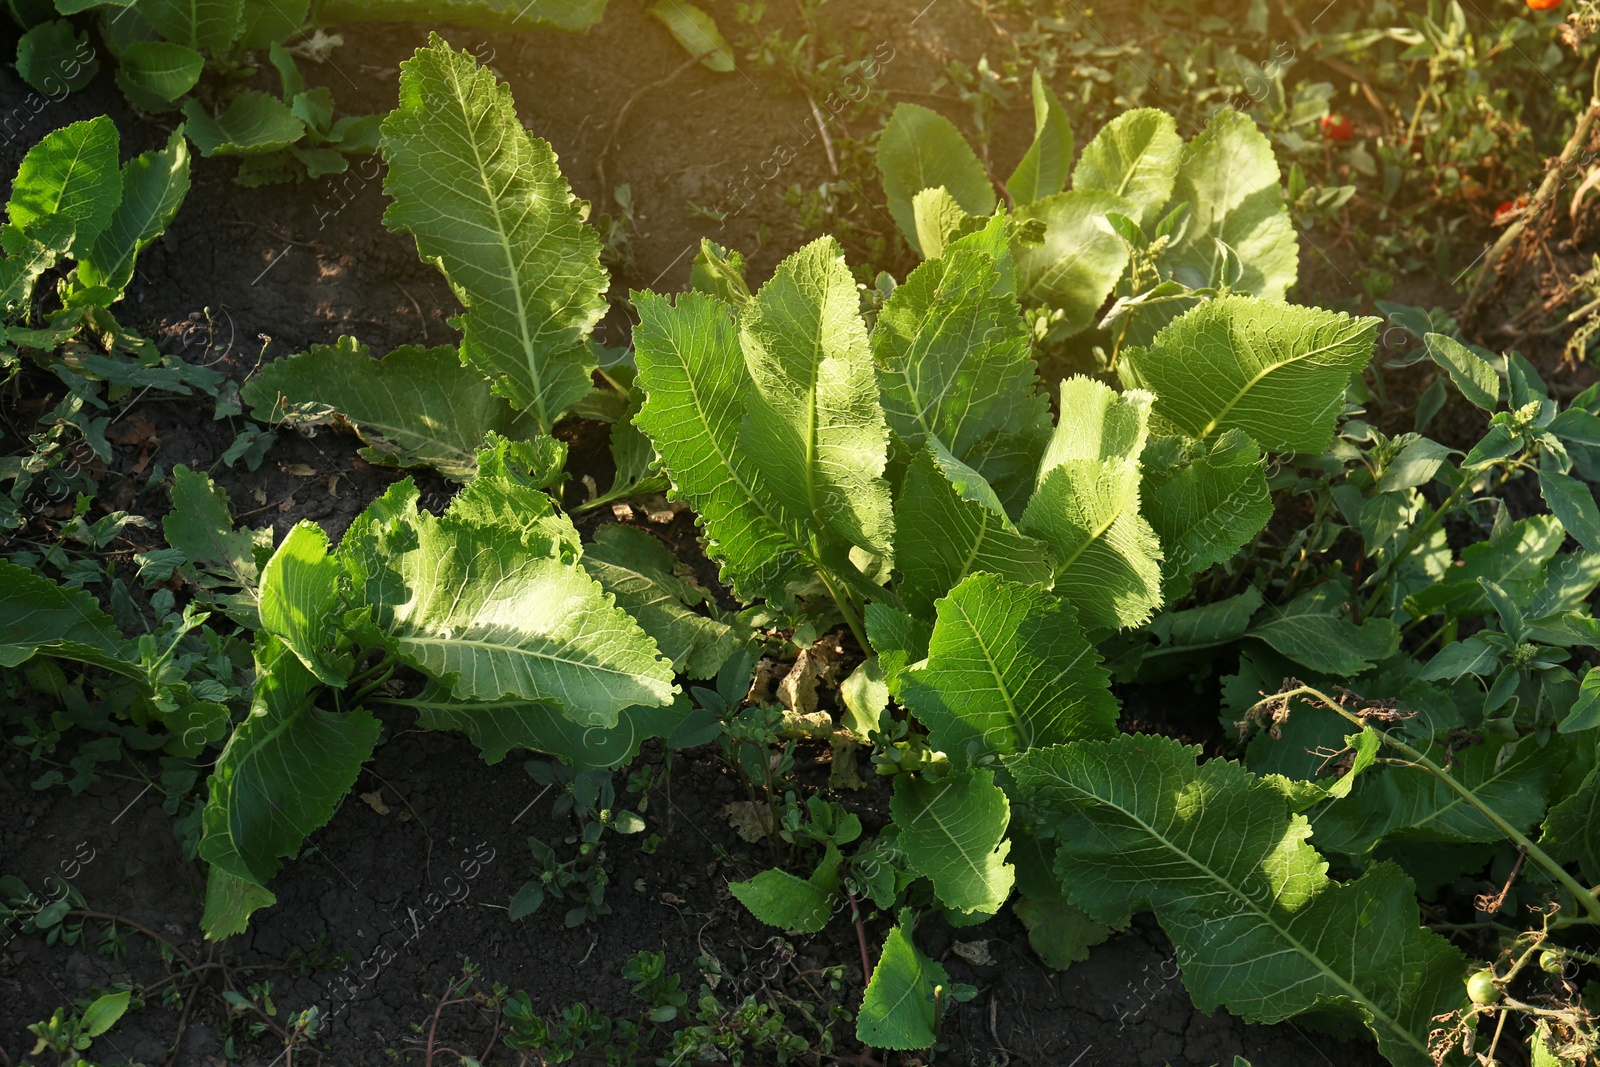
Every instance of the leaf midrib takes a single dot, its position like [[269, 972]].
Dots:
[[521, 314], [1261, 375]]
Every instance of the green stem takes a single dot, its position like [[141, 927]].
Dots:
[[388, 666], [848, 610], [1584, 896]]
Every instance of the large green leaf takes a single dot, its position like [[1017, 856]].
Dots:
[[71, 172], [488, 205], [1229, 178], [1517, 559], [813, 421], [921, 149], [953, 831], [414, 407], [1204, 503], [1278, 372], [1007, 669], [1134, 156], [1258, 926], [269, 22], [1077, 263], [39, 616], [284, 770], [299, 598], [954, 364], [899, 1009], [1086, 506], [898, 638], [571, 16], [497, 616], [499, 726], [200, 24], [695, 385], [1406, 803], [950, 525], [153, 186], [639, 571], [1043, 170]]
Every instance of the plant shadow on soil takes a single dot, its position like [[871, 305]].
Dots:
[[280, 268]]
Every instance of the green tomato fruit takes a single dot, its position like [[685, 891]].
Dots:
[[1551, 961], [1481, 989]]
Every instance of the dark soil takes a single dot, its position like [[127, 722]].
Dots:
[[245, 275]]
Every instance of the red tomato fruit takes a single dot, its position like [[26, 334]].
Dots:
[[1506, 208], [1338, 127], [1543, 5]]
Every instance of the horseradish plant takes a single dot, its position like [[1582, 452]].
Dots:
[[487, 204], [517, 627], [1154, 221], [521, 629], [908, 475]]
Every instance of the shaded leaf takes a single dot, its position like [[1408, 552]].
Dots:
[[254, 123], [153, 74], [951, 525], [1258, 926], [1314, 631], [56, 57], [284, 771], [211, 25], [499, 726], [638, 571], [1204, 503], [200, 525]]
